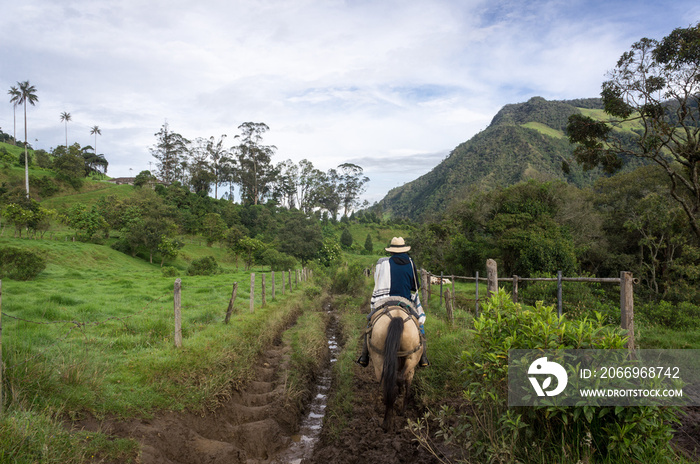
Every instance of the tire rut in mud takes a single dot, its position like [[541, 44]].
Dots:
[[251, 427]]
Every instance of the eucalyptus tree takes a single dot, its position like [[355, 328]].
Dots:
[[14, 99], [95, 130], [201, 175], [311, 182], [328, 193], [351, 185], [171, 151], [286, 183], [219, 158], [65, 117], [656, 87], [27, 94], [256, 172]]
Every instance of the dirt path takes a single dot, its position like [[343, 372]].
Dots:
[[251, 427], [363, 439]]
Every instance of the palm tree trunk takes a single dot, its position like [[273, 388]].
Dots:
[[26, 156]]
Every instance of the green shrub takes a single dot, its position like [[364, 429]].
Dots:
[[203, 266], [349, 280], [346, 239], [683, 315], [169, 271], [278, 261], [19, 264], [549, 434]]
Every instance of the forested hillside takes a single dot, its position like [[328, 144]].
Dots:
[[524, 141]]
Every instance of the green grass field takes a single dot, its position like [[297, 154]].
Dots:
[[94, 335]]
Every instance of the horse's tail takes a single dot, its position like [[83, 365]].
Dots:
[[391, 360]]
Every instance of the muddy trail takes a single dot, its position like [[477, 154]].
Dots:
[[259, 425]]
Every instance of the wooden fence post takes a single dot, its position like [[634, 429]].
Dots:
[[273, 284], [264, 298], [492, 276], [476, 312], [177, 304], [252, 292], [290, 281], [627, 306], [453, 291], [515, 288], [424, 287], [231, 302], [559, 290], [448, 306], [282, 283]]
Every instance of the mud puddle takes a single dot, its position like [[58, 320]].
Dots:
[[303, 443]]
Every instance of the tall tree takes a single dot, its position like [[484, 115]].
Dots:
[[95, 130], [201, 175], [255, 168], [655, 85], [170, 151], [286, 183], [15, 96], [352, 185], [65, 117], [27, 95], [328, 193], [219, 158], [311, 186]]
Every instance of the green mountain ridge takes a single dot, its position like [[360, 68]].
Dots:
[[524, 141]]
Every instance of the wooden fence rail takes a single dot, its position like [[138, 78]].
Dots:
[[626, 282]]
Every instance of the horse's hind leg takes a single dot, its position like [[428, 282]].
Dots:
[[388, 415]]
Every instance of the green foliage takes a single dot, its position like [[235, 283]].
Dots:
[[346, 239], [203, 266], [550, 433], [681, 316], [86, 221], [654, 86], [369, 245], [19, 264], [278, 261], [169, 271], [144, 178], [349, 280], [330, 252]]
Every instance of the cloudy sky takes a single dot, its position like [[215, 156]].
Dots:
[[392, 86]]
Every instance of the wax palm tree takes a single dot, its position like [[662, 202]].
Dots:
[[14, 99], [95, 131], [27, 95], [65, 117]]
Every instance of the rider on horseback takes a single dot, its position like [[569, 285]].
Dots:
[[396, 276]]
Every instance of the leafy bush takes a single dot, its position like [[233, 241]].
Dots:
[[203, 266], [349, 280], [683, 315], [169, 271], [19, 264], [549, 434], [278, 261], [346, 239]]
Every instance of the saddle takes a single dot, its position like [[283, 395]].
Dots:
[[394, 302]]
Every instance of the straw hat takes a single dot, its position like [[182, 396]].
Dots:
[[397, 246]]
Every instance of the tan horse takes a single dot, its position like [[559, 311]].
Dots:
[[395, 347]]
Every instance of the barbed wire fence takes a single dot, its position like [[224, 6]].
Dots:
[[206, 299]]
